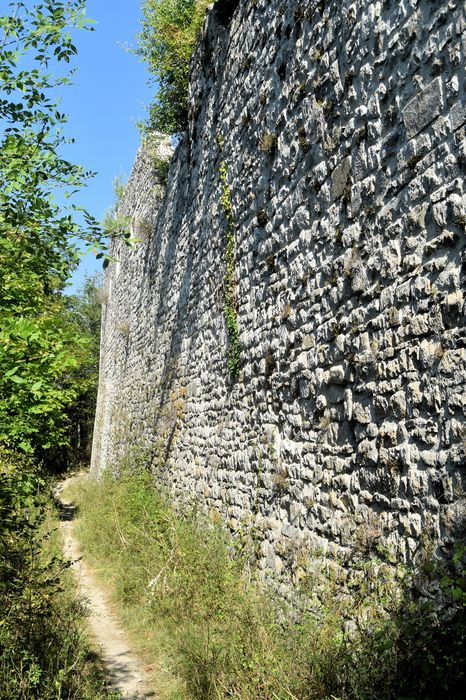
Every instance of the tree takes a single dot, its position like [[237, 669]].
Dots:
[[40, 348], [48, 346], [170, 29], [85, 313]]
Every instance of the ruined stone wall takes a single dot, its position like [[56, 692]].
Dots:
[[339, 128]]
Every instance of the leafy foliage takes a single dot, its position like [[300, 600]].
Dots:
[[48, 369], [84, 313], [47, 353], [114, 224], [41, 347], [43, 653], [36, 364], [169, 32], [31, 168], [160, 152]]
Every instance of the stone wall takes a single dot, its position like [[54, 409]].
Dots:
[[336, 130]]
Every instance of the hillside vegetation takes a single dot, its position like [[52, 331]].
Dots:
[[44, 650]]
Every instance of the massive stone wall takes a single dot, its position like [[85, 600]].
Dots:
[[339, 128]]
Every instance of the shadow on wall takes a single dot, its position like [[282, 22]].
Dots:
[[159, 270], [225, 9]]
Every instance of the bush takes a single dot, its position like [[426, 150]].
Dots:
[[180, 583], [43, 652], [169, 32]]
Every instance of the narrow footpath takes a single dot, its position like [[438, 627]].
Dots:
[[126, 671]]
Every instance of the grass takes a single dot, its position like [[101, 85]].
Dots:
[[268, 144], [211, 632], [179, 592]]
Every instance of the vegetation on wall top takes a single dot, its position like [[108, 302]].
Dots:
[[170, 29]]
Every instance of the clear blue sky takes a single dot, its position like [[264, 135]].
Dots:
[[103, 105]]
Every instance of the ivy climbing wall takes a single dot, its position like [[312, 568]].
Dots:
[[286, 344]]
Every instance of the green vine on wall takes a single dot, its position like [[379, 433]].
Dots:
[[231, 312]]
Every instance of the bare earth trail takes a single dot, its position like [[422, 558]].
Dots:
[[126, 671]]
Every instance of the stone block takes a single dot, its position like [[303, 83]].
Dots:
[[457, 115], [340, 177], [423, 108]]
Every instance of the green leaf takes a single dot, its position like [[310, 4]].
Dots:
[[11, 371], [18, 380]]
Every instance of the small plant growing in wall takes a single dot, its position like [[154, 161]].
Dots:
[[270, 262], [123, 328], [270, 364], [119, 189], [142, 229], [161, 167], [231, 313], [268, 144], [246, 63], [286, 312], [159, 150], [114, 224], [303, 141], [261, 217], [281, 480]]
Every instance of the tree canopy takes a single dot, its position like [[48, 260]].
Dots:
[[41, 345]]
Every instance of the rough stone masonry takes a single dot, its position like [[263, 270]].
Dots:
[[336, 131]]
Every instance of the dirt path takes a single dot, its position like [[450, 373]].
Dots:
[[125, 670]]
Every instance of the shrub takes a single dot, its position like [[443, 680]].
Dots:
[[268, 144], [159, 150], [114, 223], [169, 32], [43, 652]]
